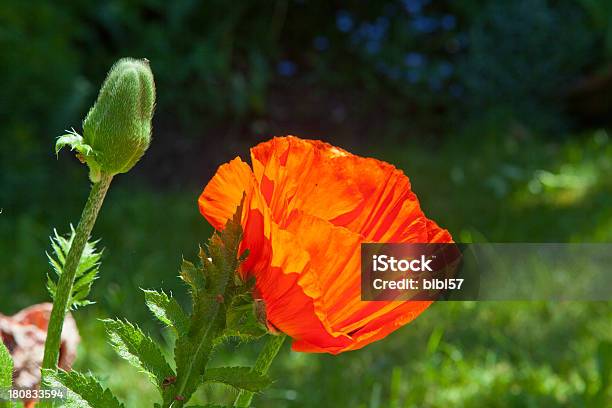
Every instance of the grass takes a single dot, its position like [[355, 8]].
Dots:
[[482, 186]]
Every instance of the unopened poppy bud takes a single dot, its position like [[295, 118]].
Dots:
[[117, 129], [118, 126]]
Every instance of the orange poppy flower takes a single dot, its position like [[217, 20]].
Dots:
[[308, 207]]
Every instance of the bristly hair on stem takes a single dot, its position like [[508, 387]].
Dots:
[[63, 293]]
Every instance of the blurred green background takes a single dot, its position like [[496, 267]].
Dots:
[[497, 111]]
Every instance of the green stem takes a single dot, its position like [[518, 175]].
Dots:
[[66, 279], [204, 346], [262, 365]]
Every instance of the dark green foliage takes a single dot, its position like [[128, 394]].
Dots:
[[219, 59], [216, 65], [36, 99], [600, 19], [522, 56]]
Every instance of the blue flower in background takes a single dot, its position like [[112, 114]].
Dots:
[[344, 21], [448, 22], [414, 59], [320, 43], [424, 24], [413, 6], [373, 31], [371, 35], [286, 68], [445, 69]]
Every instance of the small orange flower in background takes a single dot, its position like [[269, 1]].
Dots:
[[308, 207]]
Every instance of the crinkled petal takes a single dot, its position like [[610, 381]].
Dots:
[[308, 208]]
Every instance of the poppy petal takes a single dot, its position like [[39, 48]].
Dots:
[[308, 207]]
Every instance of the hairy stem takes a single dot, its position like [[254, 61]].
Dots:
[[203, 346], [66, 280], [262, 365]]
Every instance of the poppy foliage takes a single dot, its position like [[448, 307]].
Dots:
[[308, 207]]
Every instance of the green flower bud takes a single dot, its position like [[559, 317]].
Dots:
[[117, 129]]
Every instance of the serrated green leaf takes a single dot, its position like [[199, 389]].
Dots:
[[208, 285], [241, 321], [193, 276], [241, 378], [167, 310], [87, 269], [139, 350], [74, 141], [83, 391]]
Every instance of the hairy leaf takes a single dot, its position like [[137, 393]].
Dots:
[[74, 141], [241, 320], [208, 285], [139, 350], [193, 276], [167, 310], [242, 378], [87, 269], [83, 391]]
